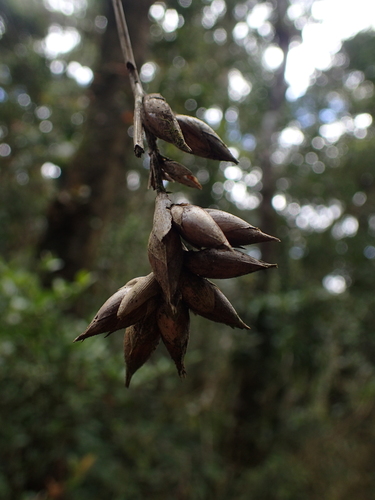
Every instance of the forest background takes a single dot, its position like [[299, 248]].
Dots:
[[285, 411]]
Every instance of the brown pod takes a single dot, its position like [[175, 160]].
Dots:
[[106, 319], [174, 330], [159, 119], [204, 298], [140, 341], [222, 264], [174, 171], [166, 259], [202, 140], [238, 231], [145, 288], [162, 215], [198, 293], [197, 227]]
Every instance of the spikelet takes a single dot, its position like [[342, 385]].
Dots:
[[222, 264], [238, 231], [166, 259], [202, 140], [159, 119], [197, 227], [140, 341], [145, 288], [106, 319], [164, 249], [204, 298], [174, 171], [174, 330], [162, 216]]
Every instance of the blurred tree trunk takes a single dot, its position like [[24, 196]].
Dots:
[[256, 406], [96, 175]]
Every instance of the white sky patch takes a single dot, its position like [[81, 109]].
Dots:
[[240, 31], [233, 173], [60, 41], [363, 120], [334, 283], [133, 180], [259, 15], [333, 21], [67, 7], [50, 170], [170, 21], [83, 75], [311, 217], [291, 136], [238, 87], [332, 131], [279, 202], [254, 177], [347, 227], [273, 57], [148, 71], [157, 11], [213, 116], [315, 218]]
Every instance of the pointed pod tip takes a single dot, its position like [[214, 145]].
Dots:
[[271, 238], [128, 378], [185, 147], [193, 181], [266, 265]]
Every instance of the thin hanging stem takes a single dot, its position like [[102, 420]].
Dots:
[[137, 89]]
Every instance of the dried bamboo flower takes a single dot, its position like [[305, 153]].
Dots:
[[174, 330], [238, 231], [106, 319], [140, 341], [222, 264], [202, 140], [174, 171], [204, 298], [197, 227], [162, 222], [166, 259], [142, 291], [159, 119], [164, 248]]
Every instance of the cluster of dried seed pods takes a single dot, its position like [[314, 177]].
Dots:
[[187, 245]]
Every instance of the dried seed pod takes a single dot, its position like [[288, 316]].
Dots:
[[202, 140], [204, 298], [140, 341], [198, 227], [198, 293], [174, 330], [238, 231], [159, 119], [166, 259], [106, 319], [162, 223], [222, 264], [174, 171], [142, 291], [164, 248]]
